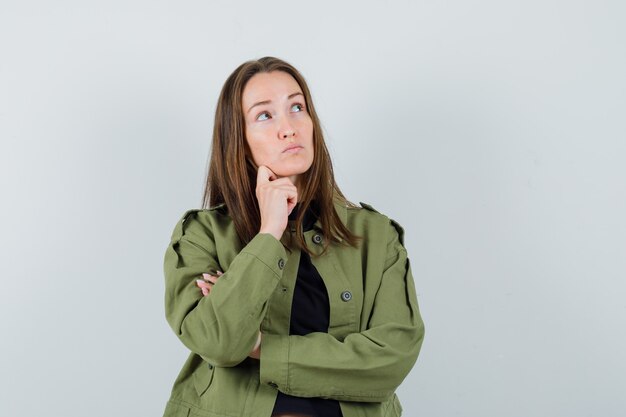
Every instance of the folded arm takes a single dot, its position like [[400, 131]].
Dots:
[[366, 366], [223, 327]]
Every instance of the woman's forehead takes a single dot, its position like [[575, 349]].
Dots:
[[267, 86]]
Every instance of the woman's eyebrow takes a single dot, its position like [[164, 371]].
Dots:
[[269, 101]]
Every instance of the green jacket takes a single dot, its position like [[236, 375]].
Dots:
[[374, 337]]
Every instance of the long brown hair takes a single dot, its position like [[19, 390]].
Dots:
[[232, 173]]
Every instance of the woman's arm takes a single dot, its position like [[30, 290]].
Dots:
[[223, 327], [365, 366]]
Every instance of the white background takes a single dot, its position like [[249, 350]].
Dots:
[[493, 131]]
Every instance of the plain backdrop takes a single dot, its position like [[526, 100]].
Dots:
[[493, 131]]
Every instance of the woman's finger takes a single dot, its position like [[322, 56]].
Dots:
[[210, 277], [203, 284], [205, 287], [207, 282]]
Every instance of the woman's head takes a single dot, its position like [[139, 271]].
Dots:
[[278, 127], [244, 139], [265, 106]]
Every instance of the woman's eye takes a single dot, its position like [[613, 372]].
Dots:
[[260, 116], [301, 107]]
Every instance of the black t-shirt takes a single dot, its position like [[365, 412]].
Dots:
[[310, 312]]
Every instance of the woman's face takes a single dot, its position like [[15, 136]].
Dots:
[[279, 129]]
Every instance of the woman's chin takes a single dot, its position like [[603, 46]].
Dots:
[[288, 172]]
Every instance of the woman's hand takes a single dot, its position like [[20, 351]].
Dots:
[[276, 197], [207, 283]]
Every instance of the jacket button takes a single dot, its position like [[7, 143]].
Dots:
[[317, 238], [281, 263], [210, 366], [346, 296], [272, 384]]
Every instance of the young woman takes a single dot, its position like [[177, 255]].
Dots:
[[293, 301]]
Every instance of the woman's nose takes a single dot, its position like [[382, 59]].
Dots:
[[286, 131], [287, 134]]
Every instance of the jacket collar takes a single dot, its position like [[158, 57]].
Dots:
[[342, 212]]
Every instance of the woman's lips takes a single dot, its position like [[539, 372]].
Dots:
[[293, 149]]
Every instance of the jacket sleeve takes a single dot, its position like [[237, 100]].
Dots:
[[366, 366], [223, 327]]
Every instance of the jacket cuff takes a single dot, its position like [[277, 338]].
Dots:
[[269, 250], [273, 368]]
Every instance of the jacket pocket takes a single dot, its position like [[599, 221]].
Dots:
[[202, 378]]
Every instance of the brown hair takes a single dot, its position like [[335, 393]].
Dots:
[[232, 173]]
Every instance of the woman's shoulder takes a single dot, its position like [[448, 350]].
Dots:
[[366, 218], [204, 214], [200, 220]]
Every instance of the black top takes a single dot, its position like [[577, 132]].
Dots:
[[310, 312]]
